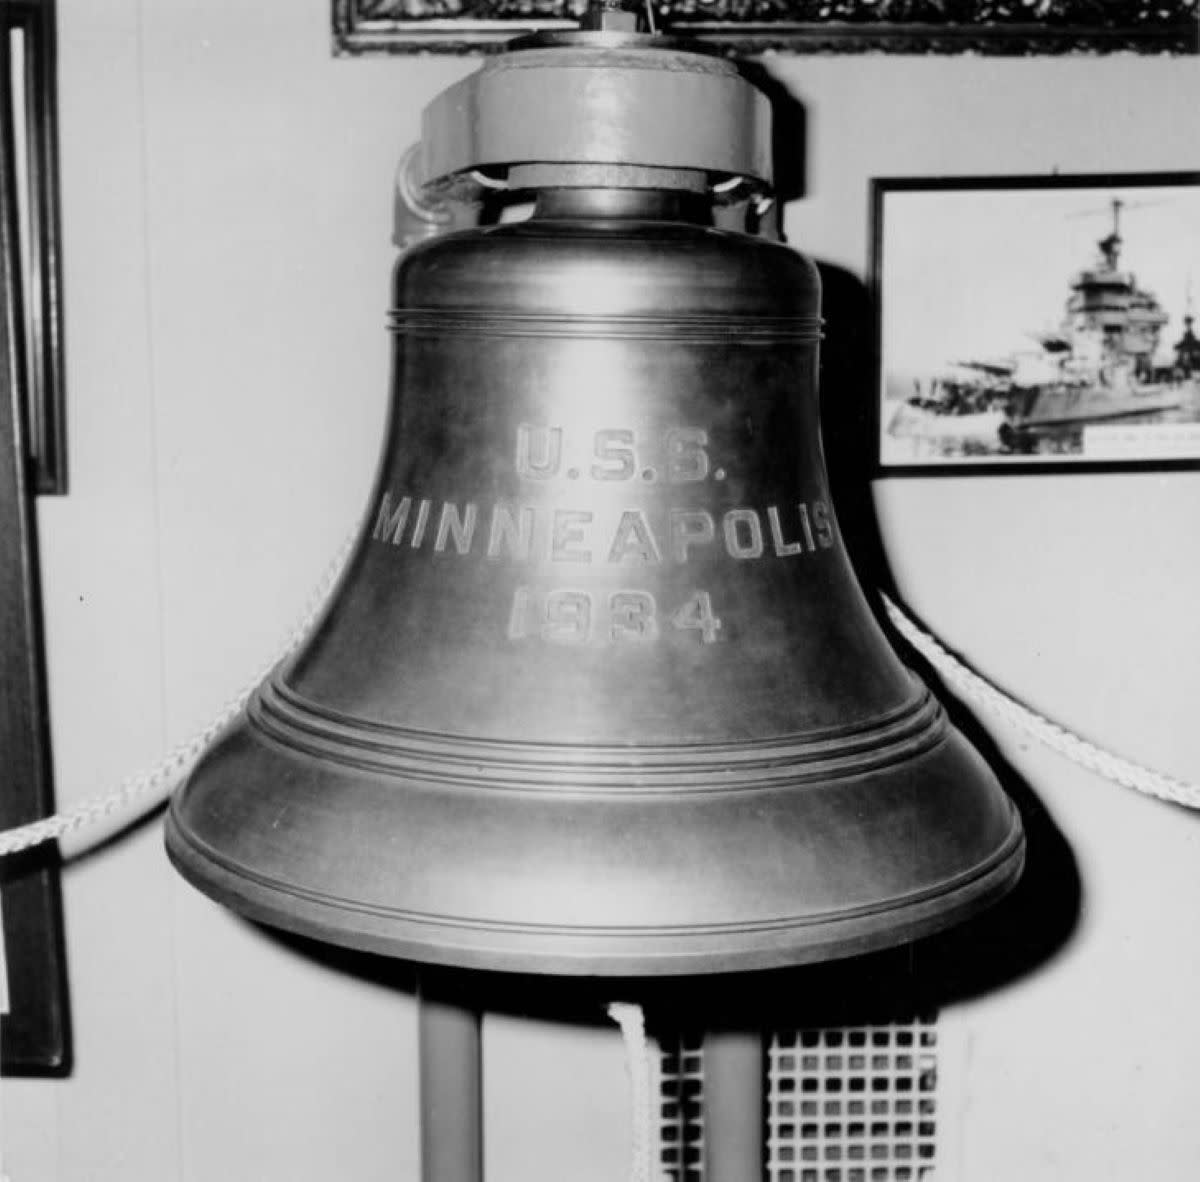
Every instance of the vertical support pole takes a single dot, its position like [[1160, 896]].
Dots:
[[734, 1128], [451, 1086]]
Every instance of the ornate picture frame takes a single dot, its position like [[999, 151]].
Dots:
[[1009, 27]]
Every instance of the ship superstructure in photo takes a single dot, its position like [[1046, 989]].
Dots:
[[1105, 358], [1093, 382]]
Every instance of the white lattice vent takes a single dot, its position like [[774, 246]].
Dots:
[[681, 1128], [853, 1103], [844, 1104]]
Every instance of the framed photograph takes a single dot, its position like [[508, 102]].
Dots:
[[1037, 323]]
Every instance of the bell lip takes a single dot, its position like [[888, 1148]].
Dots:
[[485, 947]]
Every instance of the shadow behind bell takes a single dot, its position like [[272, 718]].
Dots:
[[599, 693]]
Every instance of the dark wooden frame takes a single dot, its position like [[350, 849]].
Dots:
[[40, 270], [879, 189], [1009, 27], [35, 1034]]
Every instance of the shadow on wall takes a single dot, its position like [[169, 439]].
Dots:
[[788, 131], [1026, 929]]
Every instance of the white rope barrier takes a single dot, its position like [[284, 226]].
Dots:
[[640, 1060], [151, 788], [981, 693]]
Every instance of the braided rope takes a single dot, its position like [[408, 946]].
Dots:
[[1020, 717], [640, 1060], [152, 787]]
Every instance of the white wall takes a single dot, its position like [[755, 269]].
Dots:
[[226, 216], [1077, 593]]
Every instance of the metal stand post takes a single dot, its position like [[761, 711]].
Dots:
[[733, 1106], [451, 1087]]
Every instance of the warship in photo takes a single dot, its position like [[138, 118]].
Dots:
[[1106, 364]]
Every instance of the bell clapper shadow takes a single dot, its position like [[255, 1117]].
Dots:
[[599, 698]]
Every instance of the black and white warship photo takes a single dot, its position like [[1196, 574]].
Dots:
[[1109, 363]]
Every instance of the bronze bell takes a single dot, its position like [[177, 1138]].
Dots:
[[599, 693]]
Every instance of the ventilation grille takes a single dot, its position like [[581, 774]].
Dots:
[[844, 1104], [852, 1103], [681, 1117]]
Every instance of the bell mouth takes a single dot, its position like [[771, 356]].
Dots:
[[513, 858], [601, 952]]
